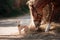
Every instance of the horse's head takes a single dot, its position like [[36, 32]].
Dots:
[[36, 13]]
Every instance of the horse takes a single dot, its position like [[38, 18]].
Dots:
[[38, 14]]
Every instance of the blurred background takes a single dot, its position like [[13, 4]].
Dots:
[[13, 8], [12, 11]]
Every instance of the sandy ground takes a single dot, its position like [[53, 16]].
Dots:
[[51, 35], [8, 26]]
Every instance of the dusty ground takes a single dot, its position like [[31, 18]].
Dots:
[[8, 26], [53, 34]]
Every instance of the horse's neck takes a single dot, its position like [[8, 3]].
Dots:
[[36, 2], [41, 3]]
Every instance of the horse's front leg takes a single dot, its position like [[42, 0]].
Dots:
[[49, 18], [47, 27]]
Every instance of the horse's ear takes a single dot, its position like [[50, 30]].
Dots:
[[27, 3]]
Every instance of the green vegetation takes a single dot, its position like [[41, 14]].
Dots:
[[7, 9], [17, 12]]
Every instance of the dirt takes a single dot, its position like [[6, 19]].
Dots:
[[53, 34]]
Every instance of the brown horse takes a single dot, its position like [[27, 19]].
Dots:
[[38, 13]]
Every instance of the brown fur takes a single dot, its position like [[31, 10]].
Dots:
[[38, 12]]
